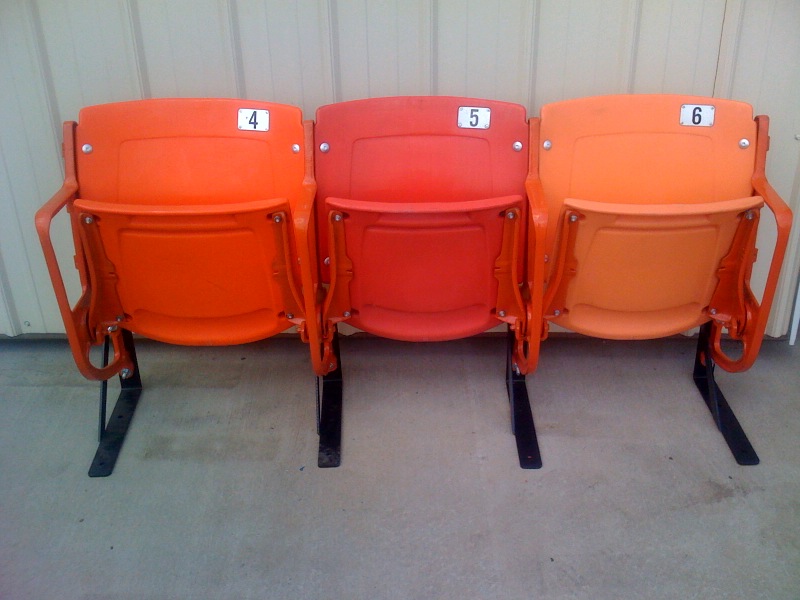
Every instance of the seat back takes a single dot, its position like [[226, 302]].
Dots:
[[184, 210], [646, 196], [420, 190], [189, 151]]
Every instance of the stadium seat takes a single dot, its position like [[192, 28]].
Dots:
[[423, 231], [654, 204], [192, 223]]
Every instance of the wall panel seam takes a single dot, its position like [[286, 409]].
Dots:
[[236, 49], [138, 49]]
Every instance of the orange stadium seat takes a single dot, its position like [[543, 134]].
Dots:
[[654, 203], [192, 224], [423, 228]]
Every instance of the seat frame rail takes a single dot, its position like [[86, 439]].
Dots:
[[112, 432], [723, 415], [522, 425], [329, 414]]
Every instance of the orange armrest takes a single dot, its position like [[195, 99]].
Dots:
[[779, 208], [45, 215], [536, 201]]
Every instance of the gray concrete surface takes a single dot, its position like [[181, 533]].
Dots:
[[216, 494]]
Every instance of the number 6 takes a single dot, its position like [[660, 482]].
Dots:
[[697, 115]]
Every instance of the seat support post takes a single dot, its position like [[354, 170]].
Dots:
[[724, 417], [112, 434], [521, 414], [329, 414]]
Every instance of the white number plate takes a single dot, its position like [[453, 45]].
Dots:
[[474, 117], [697, 115], [254, 119]]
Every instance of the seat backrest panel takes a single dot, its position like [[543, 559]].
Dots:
[[187, 151], [410, 149], [633, 149]]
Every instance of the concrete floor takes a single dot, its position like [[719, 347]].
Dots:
[[216, 494]]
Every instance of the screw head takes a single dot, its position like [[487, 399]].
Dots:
[[88, 220], [517, 146], [87, 148], [125, 373], [112, 328], [573, 217], [744, 143], [324, 147], [749, 215], [511, 215], [337, 218], [547, 144], [347, 314], [557, 312], [277, 218], [713, 311], [296, 148], [327, 261], [289, 316], [501, 313]]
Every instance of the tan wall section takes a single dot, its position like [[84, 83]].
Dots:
[[58, 56]]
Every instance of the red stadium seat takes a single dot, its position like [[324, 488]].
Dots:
[[426, 224]]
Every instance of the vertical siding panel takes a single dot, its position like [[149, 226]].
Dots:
[[486, 50], [30, 171], [6, 328], [383, 49], [584, 48], [766, 73], [285, 52], [90, 53], [187, 47], [678, 46]]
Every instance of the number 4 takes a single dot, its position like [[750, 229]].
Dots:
[[253, 120]]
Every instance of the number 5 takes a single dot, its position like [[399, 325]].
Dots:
[[473, 117]]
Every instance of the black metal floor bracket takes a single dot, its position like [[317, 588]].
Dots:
[[724, 417], [112, 434], [521, 414], [329, 415]]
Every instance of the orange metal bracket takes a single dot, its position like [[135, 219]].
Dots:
[[80, 333], [337, 303], [751, 333], [533, 292]]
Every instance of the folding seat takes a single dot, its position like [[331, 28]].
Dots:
[[423, 225], [191, 221], [654, 203]]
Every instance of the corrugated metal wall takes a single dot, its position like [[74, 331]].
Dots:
[[59, 55]]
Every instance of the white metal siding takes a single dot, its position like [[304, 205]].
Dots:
[[57, 57]]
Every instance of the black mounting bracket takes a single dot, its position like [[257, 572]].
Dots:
[[521, 414], [721, 411], [329, 414], [112, 434]]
